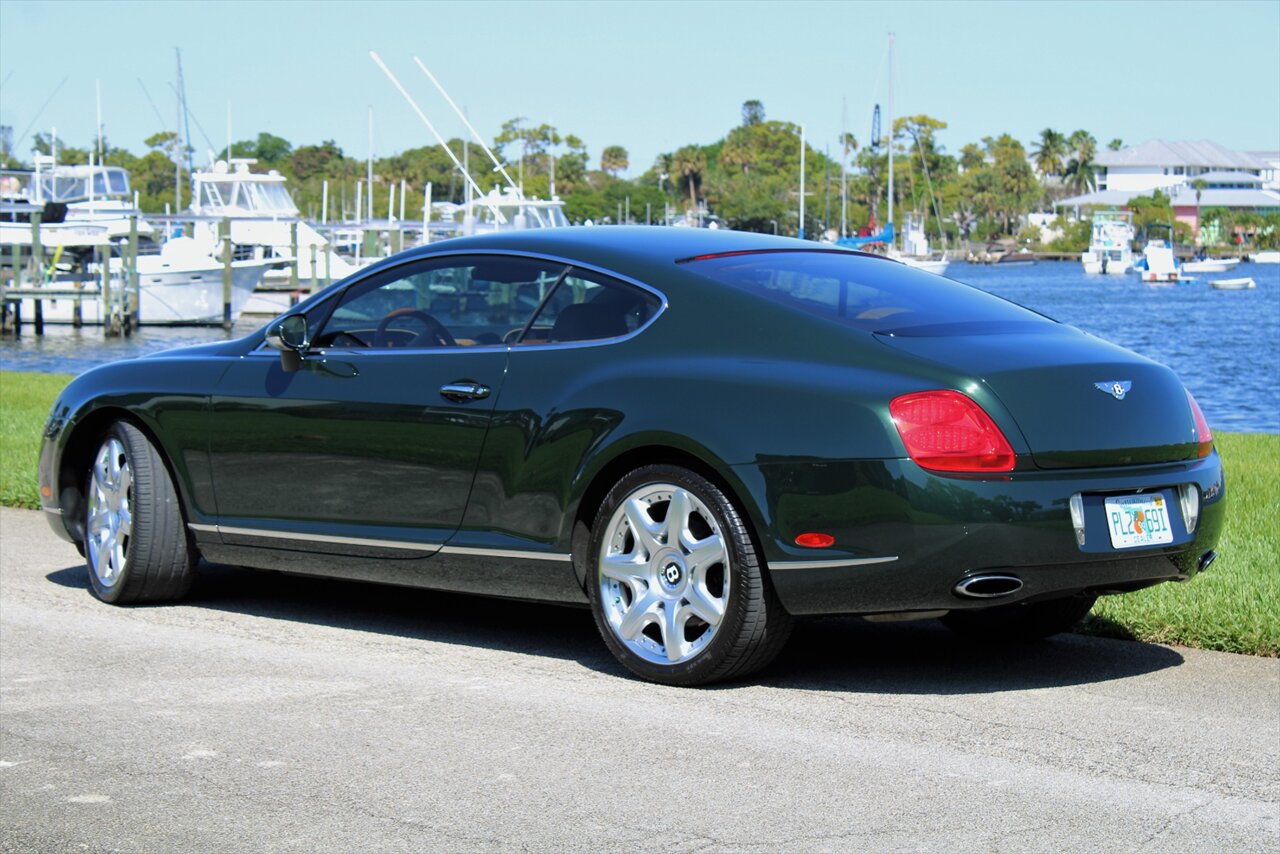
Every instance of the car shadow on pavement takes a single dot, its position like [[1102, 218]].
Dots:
[[924, 657], [845, 654]]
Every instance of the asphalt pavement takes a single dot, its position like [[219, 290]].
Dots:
[[278, 713]]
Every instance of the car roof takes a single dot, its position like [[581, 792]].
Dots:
[[625, 248]]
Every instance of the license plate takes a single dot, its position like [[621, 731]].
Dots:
[[1138, 520]]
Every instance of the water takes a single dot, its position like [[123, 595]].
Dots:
[[1225, 345]]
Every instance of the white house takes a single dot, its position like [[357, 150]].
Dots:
[[1228, 179], [1270, 168]]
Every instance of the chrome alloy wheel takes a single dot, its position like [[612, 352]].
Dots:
[[664, 574], [110, 522]]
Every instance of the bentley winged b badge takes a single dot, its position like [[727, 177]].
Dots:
[[1116, 388]]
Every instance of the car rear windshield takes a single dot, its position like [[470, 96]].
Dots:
[[873, 294]]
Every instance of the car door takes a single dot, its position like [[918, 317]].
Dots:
[[373, 442]]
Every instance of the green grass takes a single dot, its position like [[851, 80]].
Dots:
[[1234, 606], [24, 404]]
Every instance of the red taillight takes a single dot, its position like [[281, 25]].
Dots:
[[946, 431], [815, 540], [1203, 434]]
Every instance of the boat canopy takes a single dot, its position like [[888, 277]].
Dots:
[[66, 184], [240, 192], [500, 211]]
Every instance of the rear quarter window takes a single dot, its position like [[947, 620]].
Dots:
[[873, 294]]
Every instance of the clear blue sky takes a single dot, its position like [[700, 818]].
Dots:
[[650, 76]]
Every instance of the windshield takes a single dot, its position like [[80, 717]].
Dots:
[[872, 294], [272, 197], [260, 197]]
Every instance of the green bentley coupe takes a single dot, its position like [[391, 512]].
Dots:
[[700, 435]]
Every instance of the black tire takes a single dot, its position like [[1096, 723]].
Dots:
[[753, 627], [159, 557], [1020, 622]]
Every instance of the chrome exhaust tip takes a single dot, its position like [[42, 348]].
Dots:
[[1206, 559], [988, 586]]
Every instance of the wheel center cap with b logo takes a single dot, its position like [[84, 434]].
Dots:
[[671, 573], [670, 569]]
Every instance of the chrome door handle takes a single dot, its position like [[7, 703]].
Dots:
[[464, 391]]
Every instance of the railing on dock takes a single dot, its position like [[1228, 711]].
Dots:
[[24, 276]]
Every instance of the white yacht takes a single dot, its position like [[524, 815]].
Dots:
[[1111, 244], [1158, 263], [507, 211], [97, 196], [915, 248], [1210, 265], [262, 214]]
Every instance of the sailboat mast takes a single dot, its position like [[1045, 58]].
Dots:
[[889, 219], [97, 97], [844, 164], [369, 164], [184, 118], [178, 144], [800, 232], [499, 166]]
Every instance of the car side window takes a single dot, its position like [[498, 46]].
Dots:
[[459, 301], [590, 306]]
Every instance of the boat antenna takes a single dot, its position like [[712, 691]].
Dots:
[[889, 219], [387, 71], [369, 165], [151, 101], [177, 154], [497, 164], [97, 97], [191, 117], [39, 112]]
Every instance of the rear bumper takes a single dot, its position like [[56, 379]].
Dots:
[[905, 537]]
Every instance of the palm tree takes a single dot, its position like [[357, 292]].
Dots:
[[1051, 152], [689, 163], [1080, 176], [614, 159], [1080, 172], [738, 151], [1083, 144], [1199, 184]]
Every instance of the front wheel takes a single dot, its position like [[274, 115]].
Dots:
[[136, 543], [1020, 622], [676, 585]]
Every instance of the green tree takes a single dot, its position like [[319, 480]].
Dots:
[[688, 163], [268, 149], [314, 161], [1050, 153], [1115, 144], [614, 160], [1199, 184], [43, 143], [1081, 174], [737, 151], [752, 113]]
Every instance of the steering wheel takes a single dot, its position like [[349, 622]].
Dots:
[[434, 329]]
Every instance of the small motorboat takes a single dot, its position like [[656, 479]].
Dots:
[[1210, 265], [1243, 284], [1270, 256]]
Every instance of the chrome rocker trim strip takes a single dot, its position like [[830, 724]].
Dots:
[[383, 544], [316, 538], [475, 552], [828, 564]]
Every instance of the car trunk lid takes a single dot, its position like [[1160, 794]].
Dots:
[[1078, 400]]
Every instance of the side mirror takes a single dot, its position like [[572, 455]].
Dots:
[[289, 335]]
